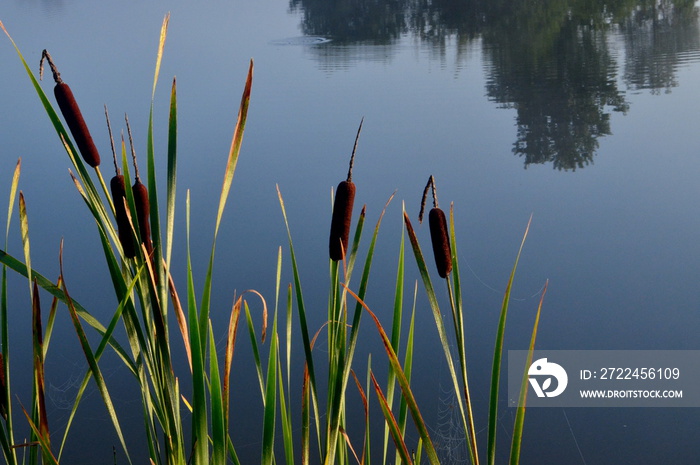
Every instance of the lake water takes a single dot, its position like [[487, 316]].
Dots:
[[582, 115]]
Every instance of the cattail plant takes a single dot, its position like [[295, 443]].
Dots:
[[143, 208], [438, 231], [118, 190], [71, 113], [342, 210]]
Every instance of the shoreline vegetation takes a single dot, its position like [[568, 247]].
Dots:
[[135, 224]]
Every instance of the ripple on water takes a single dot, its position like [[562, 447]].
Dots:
[[302, 40]]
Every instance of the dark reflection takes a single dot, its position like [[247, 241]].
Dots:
[[48, 7], [351, 21], [657, 37], [556, 63], [561, 80]]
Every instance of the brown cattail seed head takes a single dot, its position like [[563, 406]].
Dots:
[[71, 113], [441, 242], [76, 124], [143, 210], [342, 217], [124, 228]]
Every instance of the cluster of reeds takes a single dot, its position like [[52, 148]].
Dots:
[[137, 249]]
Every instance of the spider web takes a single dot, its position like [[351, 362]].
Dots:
[[450, 439]]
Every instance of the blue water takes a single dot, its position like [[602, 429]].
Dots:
[[589, 125]]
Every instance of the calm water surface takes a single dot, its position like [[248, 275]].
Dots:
[[584, 116]]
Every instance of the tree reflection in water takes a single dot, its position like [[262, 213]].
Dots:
[[552, 62]]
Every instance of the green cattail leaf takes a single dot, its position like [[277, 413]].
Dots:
[[437, 316], [13, 196], [20, 268], [50, 322], [408, 361], [136, 338], [270, 412], [152, 236], [458, 321], [309, 376], [159, 56], [395, 335], [368, 434], [520, 413], [347, 355], [171, 175], [49, 458], [156, 248], [289, 330], [218, 428], [285, 418], [455, 266], [497, 356], [365, 408], [256, 350], [7, 433], [39, 382], [403, 383], [92, 363], [285, 409], [228, 359], [124, 305], [236, 142], [199, 406], [391, 422], [305, 417], [24, 229], [229, 171]]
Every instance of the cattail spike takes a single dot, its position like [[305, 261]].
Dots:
[[133, 150], [56, 75], [111, 141], [354, 148], [422, 199]]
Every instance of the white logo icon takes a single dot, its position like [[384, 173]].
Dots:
[[547, 370]]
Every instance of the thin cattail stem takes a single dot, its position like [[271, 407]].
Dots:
[[133, 150], [54, 70], [354, 148], [435, 200], [111, 140]]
